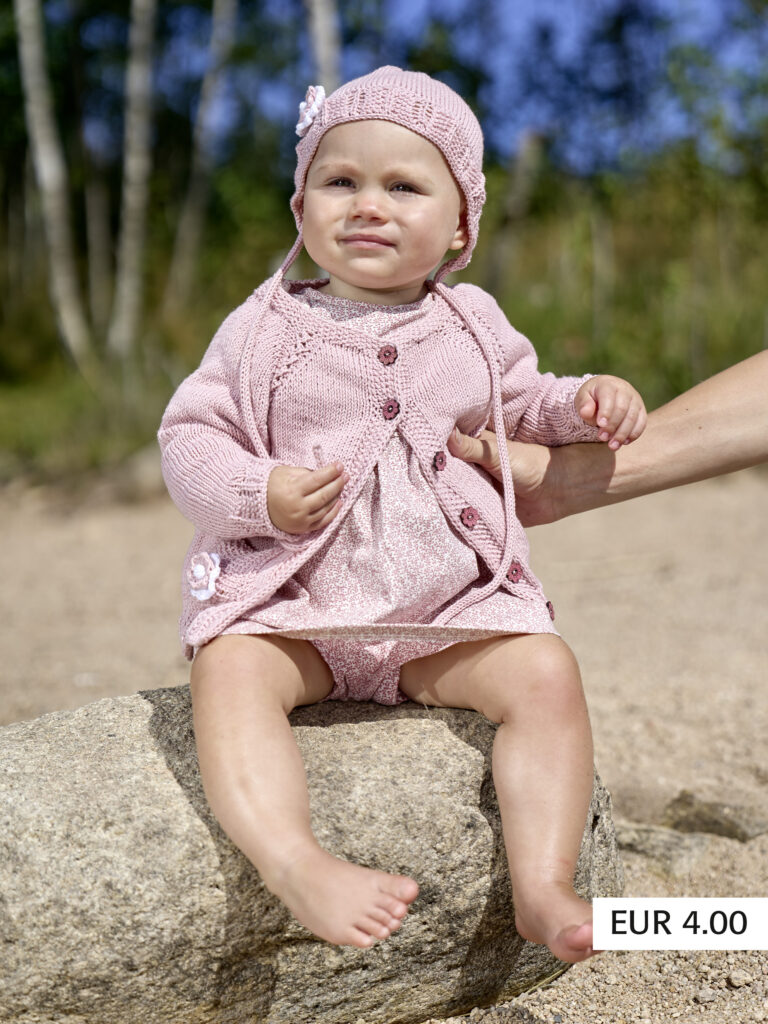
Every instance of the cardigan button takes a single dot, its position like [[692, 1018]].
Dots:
[[470, 516], [514, 572], [387, 354], [391, 409], [551, 610], [439, 461]]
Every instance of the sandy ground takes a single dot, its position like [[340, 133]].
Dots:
[[663, 600]]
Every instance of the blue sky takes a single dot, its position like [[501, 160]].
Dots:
[[694, 21]]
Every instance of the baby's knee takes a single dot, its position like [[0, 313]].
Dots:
[[553, 660], [283, 669], [546, 677]]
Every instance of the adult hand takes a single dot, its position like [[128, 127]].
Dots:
[[532, 469], [300, 499], [719, 426]]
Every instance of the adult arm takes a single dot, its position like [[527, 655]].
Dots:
[[719, 426]]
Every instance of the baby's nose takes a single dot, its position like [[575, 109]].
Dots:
[[369, 203]]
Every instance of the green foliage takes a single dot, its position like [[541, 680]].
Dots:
[[652, 265], [56, 428], [659, 277]]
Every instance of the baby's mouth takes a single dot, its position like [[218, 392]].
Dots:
[[365, 241]]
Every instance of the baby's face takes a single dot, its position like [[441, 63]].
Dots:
[[381, 209]]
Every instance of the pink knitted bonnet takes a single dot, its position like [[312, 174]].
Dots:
[[415, 101]]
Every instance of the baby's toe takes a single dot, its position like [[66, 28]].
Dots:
[[392, 906], [373, 927], [406, 888], [383, 916], [400, 887], [359, 937]]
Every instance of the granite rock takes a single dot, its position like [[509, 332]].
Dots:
[[122, 900]]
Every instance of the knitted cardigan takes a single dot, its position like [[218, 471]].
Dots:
[[281, 385]]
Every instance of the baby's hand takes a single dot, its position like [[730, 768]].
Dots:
[[300, 499], [614, 406]]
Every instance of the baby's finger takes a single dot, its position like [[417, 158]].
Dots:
[[605, 412], [637, 429], [318, 502], [628, 428], [640, 425], [327, 516], [315, 479], [587, 409], [619, 411]]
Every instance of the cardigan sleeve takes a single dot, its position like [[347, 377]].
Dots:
[[210, 465], [537, 407]]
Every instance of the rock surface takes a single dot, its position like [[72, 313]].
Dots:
[[123, 900]]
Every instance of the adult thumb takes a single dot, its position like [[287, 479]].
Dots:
[[482, 450], [464, 447]]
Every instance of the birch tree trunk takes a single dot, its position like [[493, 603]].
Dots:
[[325, 41], [126, 312], [192, 218], [52, 180]]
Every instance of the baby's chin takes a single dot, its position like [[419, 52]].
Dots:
[[375, 294]]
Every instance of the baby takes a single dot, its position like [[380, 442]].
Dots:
[[342, 552]]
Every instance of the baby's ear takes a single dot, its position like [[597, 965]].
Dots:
[[461, 237]]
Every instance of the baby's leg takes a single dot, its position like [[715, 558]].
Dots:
[[243, 688], [542, 768]]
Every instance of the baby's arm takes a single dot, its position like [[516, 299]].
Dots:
[[210, 465], [542, 408]]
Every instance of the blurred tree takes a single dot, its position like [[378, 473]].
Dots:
[[189, 232], [721, 85], [53, 182], [137, 162], [325, 42]]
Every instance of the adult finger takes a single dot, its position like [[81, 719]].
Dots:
[[482, 450]]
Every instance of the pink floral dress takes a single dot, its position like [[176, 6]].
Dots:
[[394, 564]]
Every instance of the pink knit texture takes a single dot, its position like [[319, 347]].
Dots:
[[280, 383], [425, 106]]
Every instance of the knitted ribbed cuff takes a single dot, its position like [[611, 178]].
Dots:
[[252, 507], [559, 413]]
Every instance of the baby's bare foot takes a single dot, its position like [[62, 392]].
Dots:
[[341, 902], [556, 917]]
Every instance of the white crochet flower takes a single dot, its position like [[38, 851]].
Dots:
[[310, 108], [202, 574]]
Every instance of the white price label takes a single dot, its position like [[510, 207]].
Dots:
[[680, 923]]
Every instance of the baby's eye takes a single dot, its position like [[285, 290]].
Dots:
[[340, 182], [403, 186]]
